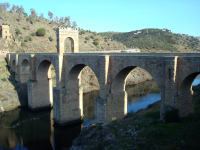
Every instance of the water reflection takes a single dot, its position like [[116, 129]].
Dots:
[[21, 129]]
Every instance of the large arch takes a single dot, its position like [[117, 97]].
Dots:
[[117, 99], [41, 94], [184, 100], [24, 71], [71, 102]]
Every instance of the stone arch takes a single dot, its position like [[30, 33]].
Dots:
[[74, 92], [72, 43], [118, 83], [43, 71], [117, 98], [42, 90], [184, 97], [13, 66], [24, 71]]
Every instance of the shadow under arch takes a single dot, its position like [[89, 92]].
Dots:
[[184, 100], [117, 100], [67, 41], [40, 95]]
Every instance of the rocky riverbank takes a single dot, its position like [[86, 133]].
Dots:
[[144, 130]]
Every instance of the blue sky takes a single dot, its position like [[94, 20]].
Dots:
[[180, 16]]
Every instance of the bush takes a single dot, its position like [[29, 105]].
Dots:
[[26, 40], [41, 32], [82, 32], [30, 38], [24, 28], [92, 37], [102, 47], [33, 34], [23, 44], [18, 31], [172, 115], [95, 42], [96, 39], [50, 39], [85, 41], [87, 38]]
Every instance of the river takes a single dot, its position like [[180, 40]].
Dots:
[[25, 130]]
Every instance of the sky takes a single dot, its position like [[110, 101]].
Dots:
[[179, 16]]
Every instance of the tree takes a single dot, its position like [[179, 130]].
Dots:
[[41, 32], [74, 24], [33, 13], [61, 20], [50, 14], [13, 9], [66, 20]]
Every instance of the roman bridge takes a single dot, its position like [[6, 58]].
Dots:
[[173, 73]]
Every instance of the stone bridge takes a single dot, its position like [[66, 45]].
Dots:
[[173, 73]]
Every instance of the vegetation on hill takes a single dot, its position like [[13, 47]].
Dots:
[[158, 40], [25, 37]]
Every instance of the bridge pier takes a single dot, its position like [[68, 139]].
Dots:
[[68, 106], [112, 108], [37, 94]]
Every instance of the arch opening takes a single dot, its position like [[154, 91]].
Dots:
[[133, 88], [82, 88], [42, 89], [13, 65], [69, 45], [24, 71], [184, 101]]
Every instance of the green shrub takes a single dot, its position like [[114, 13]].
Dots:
[[41, 32], [172, 115], [33, 34], [102, 47], [82, 32], [85, 41], [31, 21], [95, 42], [18, 31], [50, 39], [92, 37], [23, 44], [106, 40], [24, 28], [30, 38], [96, 39], [26, 40], [87, 38], [108, 44]]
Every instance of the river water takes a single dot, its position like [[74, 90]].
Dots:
[[25, 130]]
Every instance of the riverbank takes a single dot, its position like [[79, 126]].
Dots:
[[144, 130], [13, 95]]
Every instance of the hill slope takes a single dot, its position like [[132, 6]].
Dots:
[[28, 25], [158, 40]]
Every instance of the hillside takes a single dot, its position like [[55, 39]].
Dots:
[[26, 41], [158, 40]]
